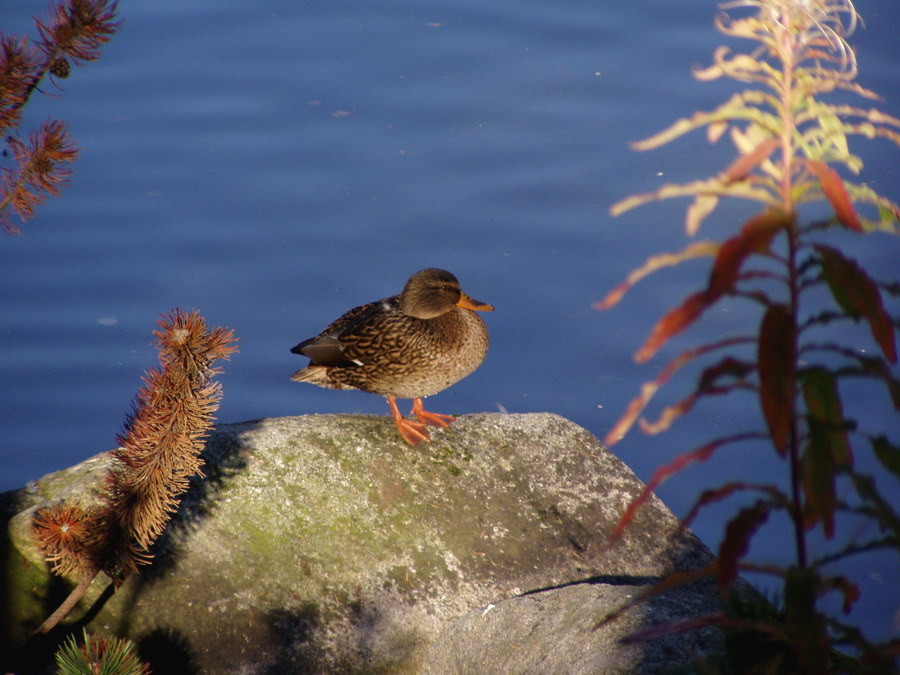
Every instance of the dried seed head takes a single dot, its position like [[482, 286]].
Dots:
[[61, 68]]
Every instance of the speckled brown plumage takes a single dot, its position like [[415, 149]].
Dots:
[[407, 346]]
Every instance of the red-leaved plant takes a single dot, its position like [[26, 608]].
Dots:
[[789, 143]]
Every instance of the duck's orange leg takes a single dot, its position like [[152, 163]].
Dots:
[[437, 419], [412, 432]]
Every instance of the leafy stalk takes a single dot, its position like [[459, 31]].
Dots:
[[787, 139]]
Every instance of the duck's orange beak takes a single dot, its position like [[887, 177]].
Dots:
[[470, 303]]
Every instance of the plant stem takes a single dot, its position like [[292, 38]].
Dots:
[[67, 605], [794, 437], [788, 52]]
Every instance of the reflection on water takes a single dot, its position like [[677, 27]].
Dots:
[[274, 163]]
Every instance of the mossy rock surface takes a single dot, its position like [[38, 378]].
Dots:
[[327, 544]]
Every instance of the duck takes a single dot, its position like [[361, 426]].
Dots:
[[407, 346]]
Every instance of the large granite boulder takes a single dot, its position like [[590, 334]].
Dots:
[[326, 544]]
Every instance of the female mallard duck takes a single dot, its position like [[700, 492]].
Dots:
[[410, 345]]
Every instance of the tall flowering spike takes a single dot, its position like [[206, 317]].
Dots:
[[161, 444], [798, 31], [801, 54], [788, 141], [160, 451]]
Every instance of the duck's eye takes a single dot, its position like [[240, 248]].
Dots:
[[443, 289]]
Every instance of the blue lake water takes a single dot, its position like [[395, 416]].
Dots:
[[276, 163]]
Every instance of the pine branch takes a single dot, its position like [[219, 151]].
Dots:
[[99, 655]]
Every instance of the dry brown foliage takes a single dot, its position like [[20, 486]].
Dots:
[[73, 34], [160, 451]]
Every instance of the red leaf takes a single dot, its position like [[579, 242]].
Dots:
[[648, 389], [848, 589], [744, 164], [709, 385], [637, 404], [858, 295], [736, 543], [659, 476], [722, 492], [669, 415], [654, 263], [836, 193], [777, 367], [709, 497], [672, 323], [728, 367], [664, 472], [755, 236], [612, 298]]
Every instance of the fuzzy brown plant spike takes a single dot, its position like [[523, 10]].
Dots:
[[60, 531], [19, 64], [74, 34], [42, 171], [159, 452], [78, 29], [160, 449]]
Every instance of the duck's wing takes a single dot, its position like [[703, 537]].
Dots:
[[345, 341]]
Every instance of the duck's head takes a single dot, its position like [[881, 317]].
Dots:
[[432, 292]]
